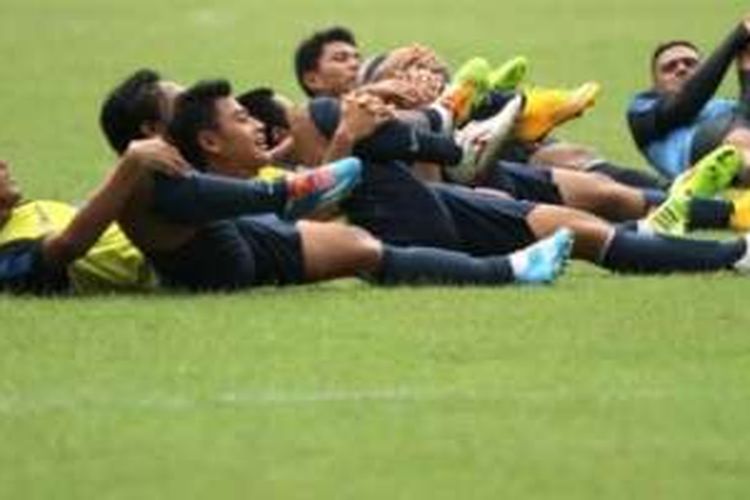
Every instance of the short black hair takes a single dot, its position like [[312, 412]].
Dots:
[[135, 101], [308, 52], [195, 111], [665, 46], [262, 106]]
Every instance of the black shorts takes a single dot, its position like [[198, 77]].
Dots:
[[487, 224], [234, 254], [399, 209], [523, 182]]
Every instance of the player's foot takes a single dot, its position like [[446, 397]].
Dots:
[[509, 75], [713, 173], [671, 217], [545, 109], [321, 187], [740, 218], [481, 141], [467, 90], [543, 261]]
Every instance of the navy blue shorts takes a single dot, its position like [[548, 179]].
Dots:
[[23, 270], [523, 182], [277, 246], [233, 254], [399, 209], [487, 224]]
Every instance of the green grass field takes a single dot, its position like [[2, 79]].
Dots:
[[599, 387]]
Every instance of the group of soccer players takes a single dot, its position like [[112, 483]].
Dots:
[[440, 179]]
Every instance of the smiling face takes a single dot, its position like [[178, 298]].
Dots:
[[336, 70], [673, 67], [237, 145], [10, 194]]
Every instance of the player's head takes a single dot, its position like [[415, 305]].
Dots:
[[10, 193], [327, 62], [270, 109], [672, 63], [138, 107], [214, 132], [428, 72]]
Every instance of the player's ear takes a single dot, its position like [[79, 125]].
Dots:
[[209, 141], [312, 81]]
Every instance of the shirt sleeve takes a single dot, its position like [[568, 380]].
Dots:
[[672, 111], [200, 198]]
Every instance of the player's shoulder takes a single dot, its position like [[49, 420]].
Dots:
[[643, 102]]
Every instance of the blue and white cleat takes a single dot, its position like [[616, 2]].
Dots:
[[321, 187], [543, 261]]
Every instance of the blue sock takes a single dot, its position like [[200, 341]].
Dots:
[[710, 214], [493, 104], [632, 177], [630, 252], [705, 213], [654, 197], [424, 265]]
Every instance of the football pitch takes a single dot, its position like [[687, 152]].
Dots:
[[600, 386]]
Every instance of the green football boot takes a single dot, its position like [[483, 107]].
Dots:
[[509, 75]]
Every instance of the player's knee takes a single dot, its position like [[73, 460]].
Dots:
[[365, 249]]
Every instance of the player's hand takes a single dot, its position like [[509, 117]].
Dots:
[[430, 83], [156, 155], [398, 91], [362, 114]]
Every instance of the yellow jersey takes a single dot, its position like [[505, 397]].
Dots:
[[112, 263]]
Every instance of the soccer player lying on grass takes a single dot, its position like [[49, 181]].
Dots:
[[52, 247], [398, 208], [589, 192], [328, 64], [199, 235], [679, 120]]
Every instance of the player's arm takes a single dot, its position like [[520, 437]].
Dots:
[[361, 115], [685, 105], [743, 71], [105, 204]]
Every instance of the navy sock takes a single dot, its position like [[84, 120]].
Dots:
[[710, 214], [493, 103], [434, 119], [424, 265], [629, 176], [630, 252], [705, 213], [654, 197]]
